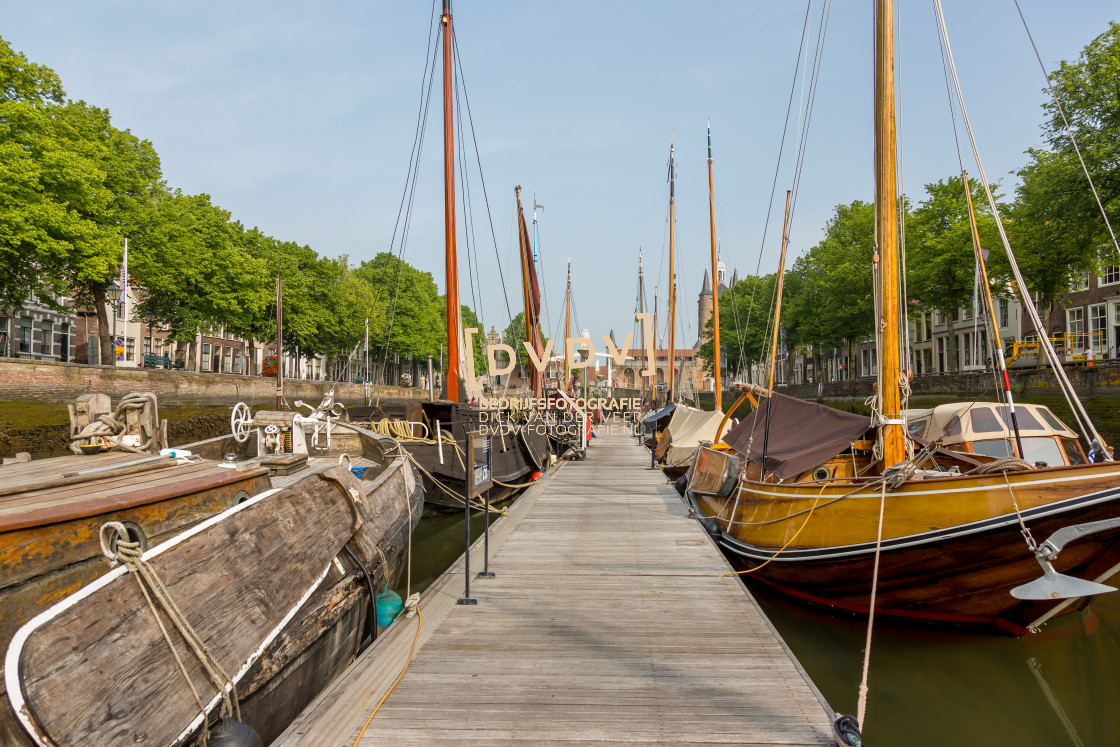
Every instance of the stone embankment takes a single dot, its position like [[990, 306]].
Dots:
[[34, 395]]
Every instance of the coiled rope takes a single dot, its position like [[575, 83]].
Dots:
[[128, 553], [113, 425]]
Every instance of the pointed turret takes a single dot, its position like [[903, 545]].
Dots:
[[707, 289]]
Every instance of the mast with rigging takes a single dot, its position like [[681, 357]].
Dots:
[[567, 321], [892, 435], [451, 264], [715, 277], [672, 266]]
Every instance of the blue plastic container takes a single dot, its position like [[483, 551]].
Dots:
[[389, 605]]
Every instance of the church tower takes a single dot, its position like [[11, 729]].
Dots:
[[704, 312]]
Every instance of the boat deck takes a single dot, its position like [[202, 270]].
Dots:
[[607, 621]]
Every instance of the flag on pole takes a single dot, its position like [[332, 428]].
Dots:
[[366, 348], [124, 273]]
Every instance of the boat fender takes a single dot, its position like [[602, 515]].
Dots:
[[389, 605], [681, 485], [232, 733], [713, 528], [846, 731]]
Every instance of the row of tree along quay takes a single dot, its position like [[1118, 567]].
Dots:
[[73, 187], [1052, 219]]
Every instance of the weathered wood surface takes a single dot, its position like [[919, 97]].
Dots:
[[607, 622], [101, 673], [113, 492]]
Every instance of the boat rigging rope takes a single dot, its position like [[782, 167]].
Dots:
[[414, 602], [861, 708], [1069, 130], [787, 544], [129, 554]]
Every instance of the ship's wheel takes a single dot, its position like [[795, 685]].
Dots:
[[240, 422]]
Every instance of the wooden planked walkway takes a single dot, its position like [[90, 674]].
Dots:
[[607, 621]]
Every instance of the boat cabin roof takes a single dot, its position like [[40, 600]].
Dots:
[[961, 422]]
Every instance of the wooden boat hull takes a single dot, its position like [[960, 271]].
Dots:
[[307, 646], [952, 548]]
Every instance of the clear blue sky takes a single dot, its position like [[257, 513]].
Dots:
[[298, 118]]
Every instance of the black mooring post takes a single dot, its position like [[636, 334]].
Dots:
[[468, 488], [466, 598], [485, 573]]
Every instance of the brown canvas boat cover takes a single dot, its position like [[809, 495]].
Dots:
[[802, 434]]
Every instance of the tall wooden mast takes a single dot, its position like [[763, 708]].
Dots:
[[524, 270], [567, 322], [672, 267], [451, 263], [886, 221], [715, 278], [642, 309]]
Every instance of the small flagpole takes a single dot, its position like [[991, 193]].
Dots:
[[124, 297]]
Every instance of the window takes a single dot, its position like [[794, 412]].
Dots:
[[93, 350], [25, 335], [217, 358], [1079, 282], [1097, 321], [985, 421], [147, 345], [1075, 321], [928, 321], [130, 349], [941, 354], [940, 318], [1043, 449], [966, 314], [967, 345], [1004, 306], [1000, 447], [1110, 276], [4, 336], [46, 338], [226, 360], [158, 346], [205, 356]]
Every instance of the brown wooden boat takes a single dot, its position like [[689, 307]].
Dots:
[[806, 498], [52, 510], [952, 548], [261, 586]]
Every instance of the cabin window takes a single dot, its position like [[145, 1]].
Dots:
[[1072, 450], [999, 447], [917, 427], [985, 421], [1027, 421], [955, 426], [1043, 449], [1051, 419]]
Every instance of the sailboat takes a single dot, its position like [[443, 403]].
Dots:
[[689, 427], [518, 450], [850, 512]]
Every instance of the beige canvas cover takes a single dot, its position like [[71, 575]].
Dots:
[[688, 428], [962, 422]]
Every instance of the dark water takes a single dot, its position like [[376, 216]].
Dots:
[[1057, 687], [439, 541]]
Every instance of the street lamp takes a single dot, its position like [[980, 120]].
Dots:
[[113, 291]]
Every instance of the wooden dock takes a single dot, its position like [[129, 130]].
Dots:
[[607, 621]]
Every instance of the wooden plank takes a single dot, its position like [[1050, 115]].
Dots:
[[590, 632]]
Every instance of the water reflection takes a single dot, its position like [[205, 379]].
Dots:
[[1057, 687], [438, 542]]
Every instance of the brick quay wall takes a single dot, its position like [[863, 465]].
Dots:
[[62, 383]]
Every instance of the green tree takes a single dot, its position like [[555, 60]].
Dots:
[[941, 262], [197, 270], [745, 313], [1057, 230]]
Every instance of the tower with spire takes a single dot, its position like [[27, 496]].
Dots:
[[706, 300]]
